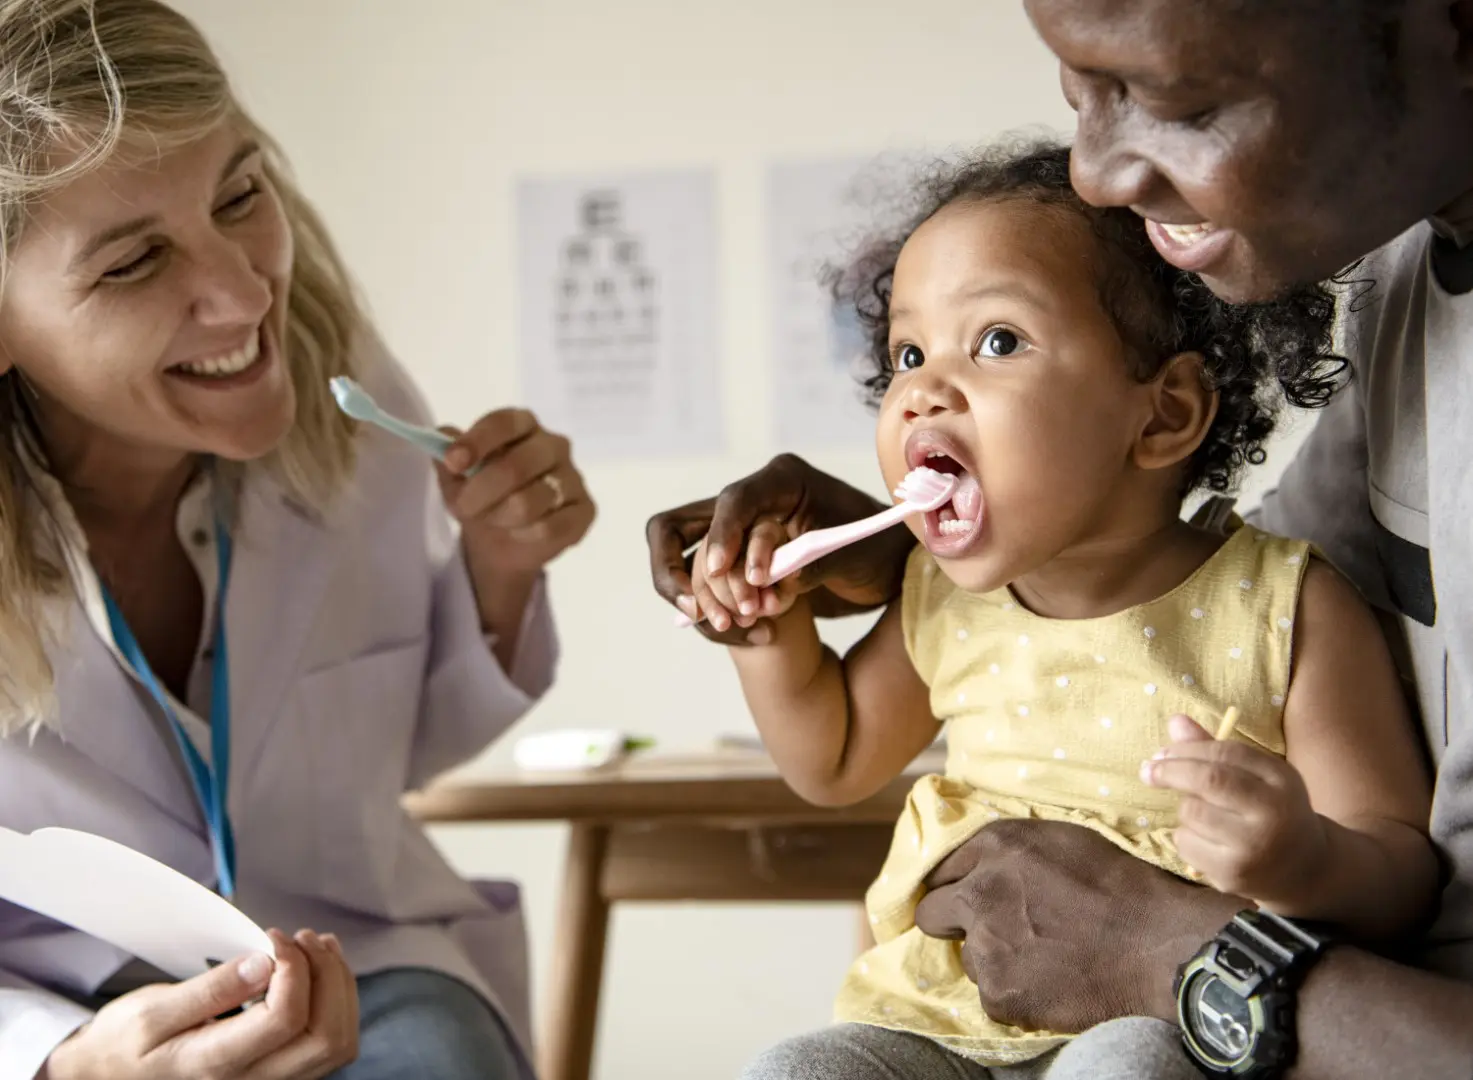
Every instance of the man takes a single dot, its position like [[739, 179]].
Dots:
[[1267, 142]]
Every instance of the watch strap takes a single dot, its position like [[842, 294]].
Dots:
[[1281, 949]]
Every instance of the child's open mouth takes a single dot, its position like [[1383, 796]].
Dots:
[[952, 528]]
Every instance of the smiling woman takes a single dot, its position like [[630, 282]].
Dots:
[[105, 309], [174, 476]]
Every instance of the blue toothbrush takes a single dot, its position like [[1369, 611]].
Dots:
[[359, 404]]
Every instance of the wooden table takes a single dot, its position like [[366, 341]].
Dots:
[[717, 827]]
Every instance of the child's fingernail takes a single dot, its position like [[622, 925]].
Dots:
[[459, 459], [1161, 755], [1148, 771], [715, 558], [748, 607], [687, 606], [756, 576]]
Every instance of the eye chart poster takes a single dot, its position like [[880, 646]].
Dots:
[[619, 335]]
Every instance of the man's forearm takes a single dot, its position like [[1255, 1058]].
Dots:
[[1361, 1017], [1358, 1016]]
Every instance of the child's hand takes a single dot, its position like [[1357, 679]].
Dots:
[[1246, 821], [731, 599]]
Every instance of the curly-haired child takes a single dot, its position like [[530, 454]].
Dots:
[[1062, 619]]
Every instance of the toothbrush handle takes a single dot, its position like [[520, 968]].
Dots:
[[812, 546], [435, 443]]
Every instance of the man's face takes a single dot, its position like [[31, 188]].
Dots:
[[1265, 149]]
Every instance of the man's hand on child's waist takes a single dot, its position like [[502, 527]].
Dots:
[[1063, 930]]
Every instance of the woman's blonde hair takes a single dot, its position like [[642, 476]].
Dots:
[[82, 81]]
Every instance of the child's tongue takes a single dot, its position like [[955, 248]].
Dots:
[[966, 501]]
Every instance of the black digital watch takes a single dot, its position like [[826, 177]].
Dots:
[[1235, 998]]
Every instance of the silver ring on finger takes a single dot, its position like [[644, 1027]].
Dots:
[[559, 496]]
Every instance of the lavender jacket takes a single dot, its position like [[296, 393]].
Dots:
[[358, 670]]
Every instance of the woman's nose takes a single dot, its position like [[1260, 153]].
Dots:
[[229, 290]]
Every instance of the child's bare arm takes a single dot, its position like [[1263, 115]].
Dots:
[[839, 730], [1350, 735], [1338, 832]]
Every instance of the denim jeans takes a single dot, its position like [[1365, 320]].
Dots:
[[416, 1024]]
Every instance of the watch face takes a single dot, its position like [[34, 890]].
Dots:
[[1221, 1020]]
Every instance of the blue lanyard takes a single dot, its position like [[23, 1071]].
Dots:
[[209, 782]]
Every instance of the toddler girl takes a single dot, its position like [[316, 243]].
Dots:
[[1058, 612]]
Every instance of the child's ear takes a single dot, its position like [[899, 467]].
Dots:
[[1183, 409]]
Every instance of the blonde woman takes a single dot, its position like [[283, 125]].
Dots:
[[234, 629]]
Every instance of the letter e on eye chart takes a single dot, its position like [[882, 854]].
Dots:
[[617, 302]]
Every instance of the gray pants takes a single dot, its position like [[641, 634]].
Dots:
[[1129, 1049]]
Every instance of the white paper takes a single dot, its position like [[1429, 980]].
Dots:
[[818, 213], [617, 283], [818, 348], [125, 898]]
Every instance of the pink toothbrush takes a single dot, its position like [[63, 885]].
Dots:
[[921, 490]]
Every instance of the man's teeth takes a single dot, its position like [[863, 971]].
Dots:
[[1188, 234], [229, 364]]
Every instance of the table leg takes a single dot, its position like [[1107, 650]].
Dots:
[[577, 960]]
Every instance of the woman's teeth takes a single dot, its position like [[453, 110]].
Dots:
[[229, 364], [1188, 234]]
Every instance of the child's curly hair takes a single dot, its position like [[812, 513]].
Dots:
[[1161, 311]]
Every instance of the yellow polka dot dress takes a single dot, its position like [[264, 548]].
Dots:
[[1051, 719]]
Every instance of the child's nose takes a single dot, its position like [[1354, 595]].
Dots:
[[932, 395]]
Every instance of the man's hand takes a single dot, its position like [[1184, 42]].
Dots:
[[1063, 930], [748, 521]]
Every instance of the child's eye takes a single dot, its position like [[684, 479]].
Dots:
[[998, 342], [908, 358]]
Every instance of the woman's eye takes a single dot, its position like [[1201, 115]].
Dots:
[[240, 205], [908, 358], [136, 268], [998, 342]]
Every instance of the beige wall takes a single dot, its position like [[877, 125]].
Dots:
[[408, 122]]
